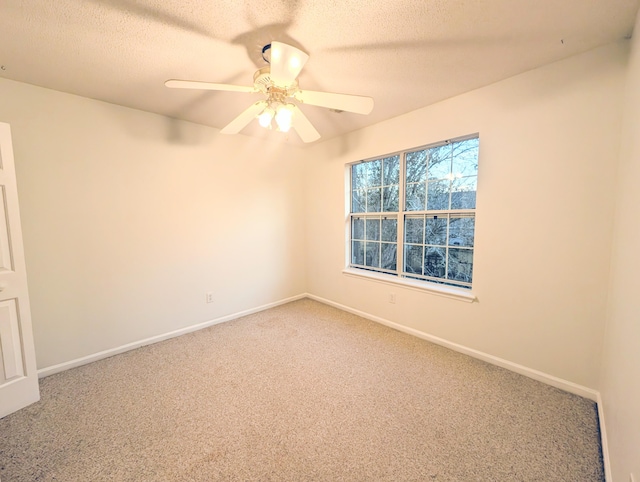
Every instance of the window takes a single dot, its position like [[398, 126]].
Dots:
[[413, 213]]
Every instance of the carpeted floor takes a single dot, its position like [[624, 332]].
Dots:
[[299, 392]]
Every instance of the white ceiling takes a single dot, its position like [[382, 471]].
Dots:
[[405, 54]]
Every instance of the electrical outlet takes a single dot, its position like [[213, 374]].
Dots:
[[210, 297], [631, 478], [392, 298]]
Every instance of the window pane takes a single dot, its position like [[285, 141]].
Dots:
[[373, 230], [436, 232], [460, 264], [390, 199], [463, 193], [413, 259], [414, 230], [434, 262], [440, 162], [359, 175], [461, 231], [358, 201], [373, 200], [391, 170], [374, 173], [465, 158], [357, 228], [390, 230], [438, 195], [373, 254], [357, 252], [389, 255], [415, 197], [417, 166]]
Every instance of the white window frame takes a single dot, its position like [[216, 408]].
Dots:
[[399, 277]]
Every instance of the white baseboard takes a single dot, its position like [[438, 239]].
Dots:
[[494, 360], [60, 367], [604, 441]]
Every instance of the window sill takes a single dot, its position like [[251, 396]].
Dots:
[[440, 290]]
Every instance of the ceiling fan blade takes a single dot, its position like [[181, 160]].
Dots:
[[286, 63], [303, 127], [237, 124], [193, 84], [350, 103]]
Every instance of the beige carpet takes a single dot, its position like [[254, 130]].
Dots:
[[299, 392]]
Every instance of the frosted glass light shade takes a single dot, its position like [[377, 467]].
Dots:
[[284, 117]]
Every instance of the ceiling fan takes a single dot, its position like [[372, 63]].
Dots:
[[278, 81]]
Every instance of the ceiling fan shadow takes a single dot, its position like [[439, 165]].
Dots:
[[451, 42], [153, 14], [176, 132], [262, 33], [255, 40]]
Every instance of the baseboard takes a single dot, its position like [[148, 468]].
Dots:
[[494, 360], [45, 372], [604, 440]]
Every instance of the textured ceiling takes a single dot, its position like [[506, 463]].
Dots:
[[404, 53]]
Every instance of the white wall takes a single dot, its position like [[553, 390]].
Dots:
[[621, 367], [130, 217], [548, 152]]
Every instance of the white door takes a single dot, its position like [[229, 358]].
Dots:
[[18, 376]]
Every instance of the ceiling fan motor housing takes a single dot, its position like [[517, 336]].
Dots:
[[262, 82], [262, 79]]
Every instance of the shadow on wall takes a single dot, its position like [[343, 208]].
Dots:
[[160, 128], [341, 146]]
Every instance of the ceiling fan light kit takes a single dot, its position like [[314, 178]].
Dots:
[[266, 117], [284, 115], [278, 81]]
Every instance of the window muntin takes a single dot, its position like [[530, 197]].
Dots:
[[436, 229]]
